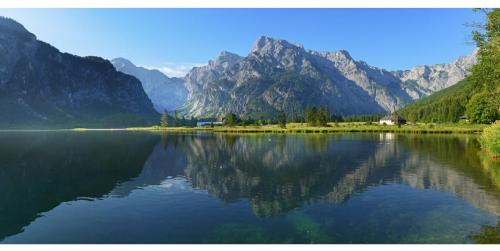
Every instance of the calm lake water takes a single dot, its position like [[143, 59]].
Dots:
[[131, 187]]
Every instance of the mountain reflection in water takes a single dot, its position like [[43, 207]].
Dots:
[[304, 180]]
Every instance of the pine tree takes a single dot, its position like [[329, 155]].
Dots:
[[317, 117], [323, 116], [174, 124], [183, 121], [164, 119], [194, 121], [311, 116], [282, 119]]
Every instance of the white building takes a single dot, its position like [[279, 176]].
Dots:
[[392, 120]]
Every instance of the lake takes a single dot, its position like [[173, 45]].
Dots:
[[142, 187]]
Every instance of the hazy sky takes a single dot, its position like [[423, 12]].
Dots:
[[176, 39]]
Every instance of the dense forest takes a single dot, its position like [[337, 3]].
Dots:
[[476, 98]]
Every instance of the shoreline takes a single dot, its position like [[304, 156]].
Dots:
[[344, 127], [353, 127]]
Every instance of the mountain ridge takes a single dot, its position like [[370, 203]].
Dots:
[[344, 85], [41, 86], [51, 87]]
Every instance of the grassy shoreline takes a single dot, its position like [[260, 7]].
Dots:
[[490, 140], [332, 128], [343, 127]]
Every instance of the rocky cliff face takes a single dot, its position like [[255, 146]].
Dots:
[[278, 75], [201, 92], [164, 92], [275, 75], [39, 85], [424, 80]]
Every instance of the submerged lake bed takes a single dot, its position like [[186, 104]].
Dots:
[[144, 187]]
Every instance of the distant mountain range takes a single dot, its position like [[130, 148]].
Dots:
[[41, 86], [425, 80], [164, 92]]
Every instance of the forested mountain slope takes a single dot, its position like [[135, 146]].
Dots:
[[478, 96]]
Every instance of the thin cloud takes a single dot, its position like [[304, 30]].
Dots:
[[176, 69]]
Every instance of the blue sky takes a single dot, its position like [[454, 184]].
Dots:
[[176, 39]]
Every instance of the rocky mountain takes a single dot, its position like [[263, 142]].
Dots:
[[164, 92], [424, 80], [41, 86], [279, 75], [47, 87]]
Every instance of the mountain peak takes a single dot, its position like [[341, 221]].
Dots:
[[122, 62], [227, 56], [267, 44], [10, 25], [470, 59], [344, 53], [340, 56]]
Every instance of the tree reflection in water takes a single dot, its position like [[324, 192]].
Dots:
[[386, 183]]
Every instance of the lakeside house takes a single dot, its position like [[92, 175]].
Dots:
[[392, 120]]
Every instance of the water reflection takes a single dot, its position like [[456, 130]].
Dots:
[[280, 173], [39, 171], [455, 165], [488, 235], [276, 174]]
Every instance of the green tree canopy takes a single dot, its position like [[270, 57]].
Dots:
[[282, 119], [317, 117], [230, 119], [164, 119], [175, 122], [483, 108]]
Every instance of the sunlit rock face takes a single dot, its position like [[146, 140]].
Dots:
[[45, 86], [424, 80], [200, 90], [39, 85], [164, 92], [278, 75]]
